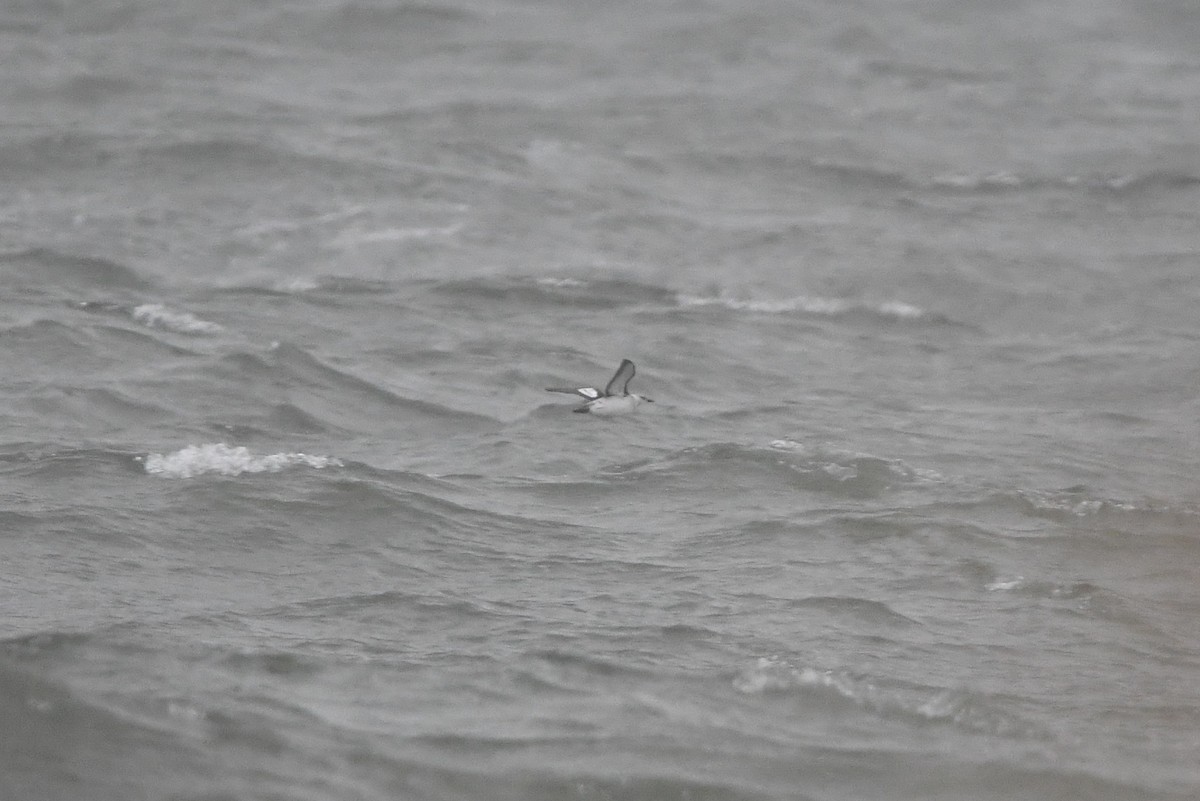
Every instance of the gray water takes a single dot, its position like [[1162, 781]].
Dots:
[[285, 512]]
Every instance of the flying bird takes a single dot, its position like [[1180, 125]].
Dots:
[[616, 397]]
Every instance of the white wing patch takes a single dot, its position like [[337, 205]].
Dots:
[[591, 393], [615, 399]]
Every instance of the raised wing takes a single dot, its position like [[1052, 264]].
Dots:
[[591, 393], [619, 384]]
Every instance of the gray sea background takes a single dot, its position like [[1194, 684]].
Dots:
[[287, 515]]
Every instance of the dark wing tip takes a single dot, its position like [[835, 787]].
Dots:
[[621, 379]]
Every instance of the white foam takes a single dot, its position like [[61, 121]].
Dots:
[[156, 315], [225, 460], [296, 285], [1072, 503], [562, 283], [802, 303], [1005, 583], [1001, 179], [772, 673], [805, 304], [956, 707], [896, 308]]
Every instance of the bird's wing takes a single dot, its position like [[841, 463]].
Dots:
[[591, 393], [619, 384]]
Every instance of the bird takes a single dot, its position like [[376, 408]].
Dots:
[[616, 397]]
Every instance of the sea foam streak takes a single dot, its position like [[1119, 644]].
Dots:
[[225, 460], [806, 304], [156, 315], [960, 708]]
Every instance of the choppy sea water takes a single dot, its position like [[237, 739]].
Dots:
[[285, 512]]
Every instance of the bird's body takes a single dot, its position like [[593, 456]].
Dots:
[[616, 398], [609, 406]]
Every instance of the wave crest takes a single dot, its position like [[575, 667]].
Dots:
[[812, 305], [958, 708], [156, 315], [586, 293], [789, 464], [44, 267], [226, 460]]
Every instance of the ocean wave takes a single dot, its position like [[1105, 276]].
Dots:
[[47, 714], [118, 343], [353, 25], [608, 293], [392, 235], [99, 408], [263, 160], [981, 182], [352, 225], [810, 304], [987, 182], [1167, 180], [61, 464], [40, 267], [860, 175], [430, 608], [156, 315], [66, 350], [1079, 508], [89, 89], [70, 736], [287, 417], [1078, 503], [923, 74], [343, 395], [221, 459], [588, 293], [862, 609], [94, 18], [985, 576], [804, 170], [403, 15], [46, 153], [1117, 183], [792, 464], [274, 227], [308, 286], [961, 709], [562, 670], [152, 315], [1081, 591]]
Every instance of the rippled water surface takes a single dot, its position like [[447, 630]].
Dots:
[[286, 513]]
